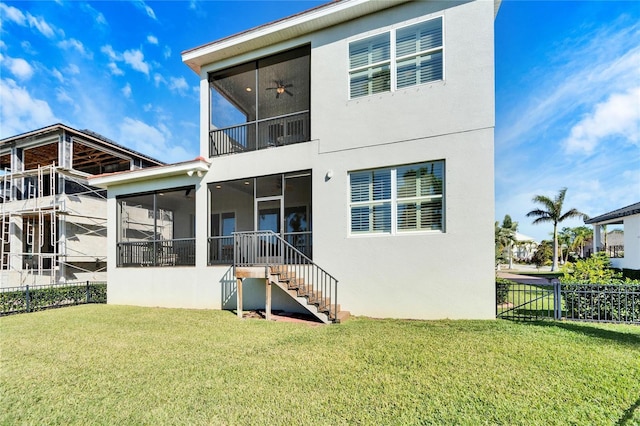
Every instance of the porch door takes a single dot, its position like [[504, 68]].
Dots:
[[269, 217], [269, 214]]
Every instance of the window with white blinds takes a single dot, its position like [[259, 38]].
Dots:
[[396, 200], [371, 201], [417, 53], [369, 64]]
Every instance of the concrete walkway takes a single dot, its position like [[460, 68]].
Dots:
[[524, 279]]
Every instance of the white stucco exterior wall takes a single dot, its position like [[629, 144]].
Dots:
[[631, 258], [426, 275]]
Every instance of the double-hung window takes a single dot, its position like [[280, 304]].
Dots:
[[397, 200], [396, 59]]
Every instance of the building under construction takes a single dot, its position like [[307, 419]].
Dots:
[[54, 224]]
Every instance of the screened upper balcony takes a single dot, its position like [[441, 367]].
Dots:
[[261, 104]]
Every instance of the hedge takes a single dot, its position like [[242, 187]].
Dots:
[[34, 298], [618, 301]]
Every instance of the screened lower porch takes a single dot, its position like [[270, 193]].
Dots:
[[280, 203]]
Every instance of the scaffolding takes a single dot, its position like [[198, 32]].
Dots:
[[39, 208]]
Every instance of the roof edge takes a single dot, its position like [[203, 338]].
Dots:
[[629, 210], [197, 167]]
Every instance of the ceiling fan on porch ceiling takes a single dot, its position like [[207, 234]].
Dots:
[[280, 88]]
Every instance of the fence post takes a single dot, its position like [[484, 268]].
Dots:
[[88, 293], [27, 298], [557, 301]]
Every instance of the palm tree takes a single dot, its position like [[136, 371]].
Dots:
[[581, 235], [551, 211], [565, 239]]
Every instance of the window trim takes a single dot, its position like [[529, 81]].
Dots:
[[393, 60], [394, 201]]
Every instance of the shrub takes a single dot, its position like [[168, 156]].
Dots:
[[617, 301], [593, 270], [502, 290]]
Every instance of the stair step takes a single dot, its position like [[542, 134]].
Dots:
[[321, 306]]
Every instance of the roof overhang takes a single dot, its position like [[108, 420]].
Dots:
[[196, 168], [312, 20], [616, 216], [324, 16]]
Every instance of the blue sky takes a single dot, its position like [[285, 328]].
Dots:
[[567, 86]]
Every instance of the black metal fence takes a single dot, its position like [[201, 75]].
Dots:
[[618, 302], [14, 300]]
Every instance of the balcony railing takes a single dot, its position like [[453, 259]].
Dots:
[[283, 130], [178, 252]]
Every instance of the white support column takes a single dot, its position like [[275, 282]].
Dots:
[[597, 238]]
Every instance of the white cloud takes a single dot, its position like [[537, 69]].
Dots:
[[26, 47], [178, 85], [98, 17], [20, 112], [158, 78], [18, 67], [140, 4], [72, 69], [152, 39], [57, 74], [13, 14], [63, 97], [41, 25], [16, 16], [147, 107], [588, 74], [166, 52], [126, 91], [619, 115], [3, 46], [113, 67], [135, 58], [108, 50], [73, 44], [142, 137]]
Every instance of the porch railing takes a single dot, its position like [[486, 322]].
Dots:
[[276, 131], [221, 250], [176, 252], [221, 247], [266, 248]]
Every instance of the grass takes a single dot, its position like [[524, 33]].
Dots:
[[103, 364]]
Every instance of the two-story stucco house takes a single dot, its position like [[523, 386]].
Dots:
[[346, 163]]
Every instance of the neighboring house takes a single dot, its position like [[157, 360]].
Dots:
[[359, 134], [524, 247], [53, 223], [627, 256]]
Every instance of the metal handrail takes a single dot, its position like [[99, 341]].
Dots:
[[266, 248]]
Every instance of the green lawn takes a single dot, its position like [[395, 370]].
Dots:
[[102, 364]]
